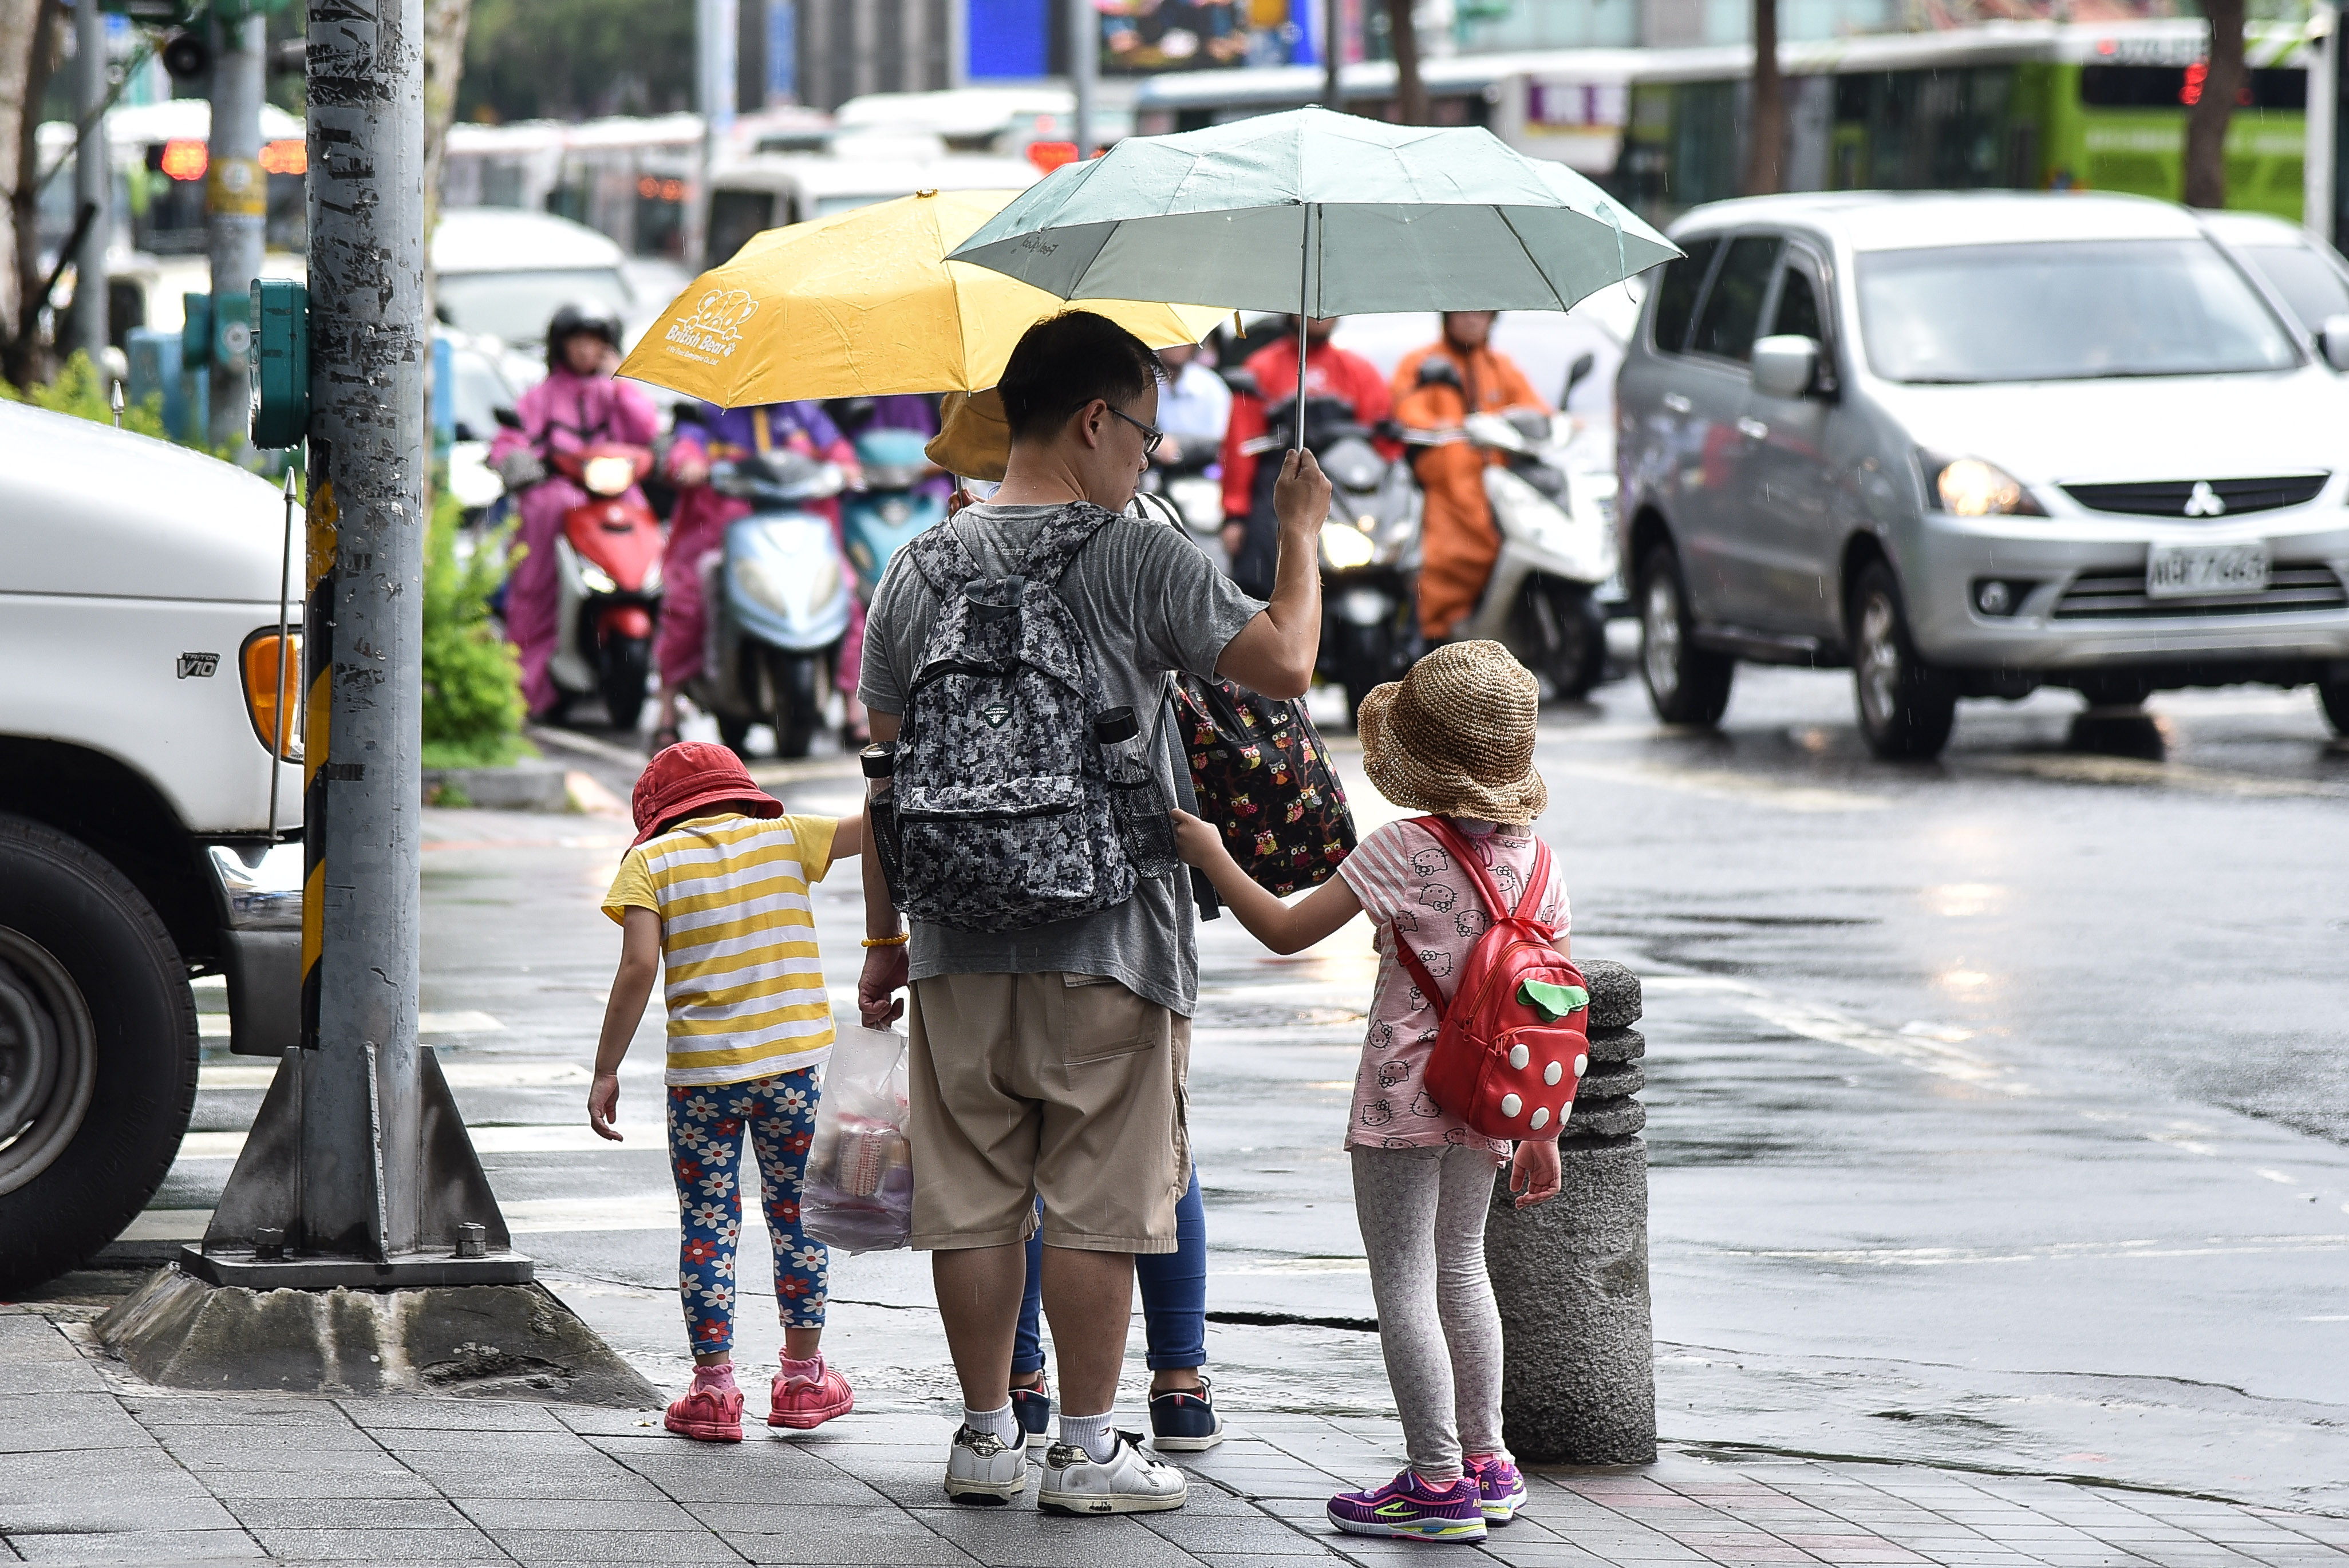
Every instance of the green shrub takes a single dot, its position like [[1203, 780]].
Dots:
[[78, 389], [472, 682]]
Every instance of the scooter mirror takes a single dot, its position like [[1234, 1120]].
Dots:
[[1576, 374]]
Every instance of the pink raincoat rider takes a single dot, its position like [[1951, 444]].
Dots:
[[578, 405]]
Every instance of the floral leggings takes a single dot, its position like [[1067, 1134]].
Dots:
[[707, 1125]]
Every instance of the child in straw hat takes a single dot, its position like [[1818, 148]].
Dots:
[[1454, 738]]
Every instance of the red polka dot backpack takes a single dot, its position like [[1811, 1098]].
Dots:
[[1515, 1036]]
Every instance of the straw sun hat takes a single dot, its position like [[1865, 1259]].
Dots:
[[1455, 736]]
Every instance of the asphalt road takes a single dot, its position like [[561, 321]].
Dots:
[[1997, 1104]]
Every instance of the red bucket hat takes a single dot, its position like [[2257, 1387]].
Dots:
[[689, 776]]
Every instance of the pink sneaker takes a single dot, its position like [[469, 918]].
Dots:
[[711, 1412], [807, 1394]]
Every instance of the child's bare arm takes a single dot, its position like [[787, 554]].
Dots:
[[1283, 928], [848, 837], [640, 934]]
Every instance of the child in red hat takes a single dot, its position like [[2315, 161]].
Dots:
[[715, 890]]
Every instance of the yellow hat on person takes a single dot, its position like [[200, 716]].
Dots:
[[974, 438], [1455, 736]]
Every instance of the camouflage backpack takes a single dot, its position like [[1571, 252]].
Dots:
[[1002, 807]]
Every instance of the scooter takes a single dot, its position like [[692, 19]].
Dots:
[[779, 603], [1194, 495], [1555, 509], [885, 515], [1370, 546], [608, 582]]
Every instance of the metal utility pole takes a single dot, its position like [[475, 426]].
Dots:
[[358, 1171], [236, 202], [714, 46], [93, 179], [1084, 61], [2323, 120], [1333, 53]]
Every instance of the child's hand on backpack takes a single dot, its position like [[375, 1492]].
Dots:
[[1197, 841], [1534, 1173], [603, 1106]]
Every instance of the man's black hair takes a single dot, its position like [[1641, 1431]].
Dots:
[[1065, 362]]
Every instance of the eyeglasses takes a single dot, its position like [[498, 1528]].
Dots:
[[1151, 434]]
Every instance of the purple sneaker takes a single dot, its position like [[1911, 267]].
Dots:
[[1411, 1507], [1500, 1488]]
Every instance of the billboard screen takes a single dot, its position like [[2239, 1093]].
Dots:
[[1141, 38]]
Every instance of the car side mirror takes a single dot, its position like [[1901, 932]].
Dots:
[[506, 417], [1786, 366], [1576, 374], [2333, 337]]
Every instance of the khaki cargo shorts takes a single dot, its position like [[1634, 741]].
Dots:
[[1067, 1086]]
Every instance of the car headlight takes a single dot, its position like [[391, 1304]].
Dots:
[[1969, 487], [1346, 547], [595, 578]]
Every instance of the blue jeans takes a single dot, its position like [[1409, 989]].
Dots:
[[1173, 1295]]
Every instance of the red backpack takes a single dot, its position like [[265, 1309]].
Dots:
[[1514, 1036]]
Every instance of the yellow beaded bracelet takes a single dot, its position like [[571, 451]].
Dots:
[[896, 940]]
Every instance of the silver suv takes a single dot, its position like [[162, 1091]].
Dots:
[[1970, 445]]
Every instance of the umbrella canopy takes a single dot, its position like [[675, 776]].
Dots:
[[1322, 213], [863, 303]]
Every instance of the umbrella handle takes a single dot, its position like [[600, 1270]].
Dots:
[[1304, 317]]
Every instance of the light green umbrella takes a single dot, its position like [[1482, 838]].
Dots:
[[1318, 214]]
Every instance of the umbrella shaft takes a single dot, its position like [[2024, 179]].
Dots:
[[1304, 318]]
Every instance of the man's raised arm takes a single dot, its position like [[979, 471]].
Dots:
[[1274, 653]]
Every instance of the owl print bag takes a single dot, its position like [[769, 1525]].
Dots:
[[1262, 777]]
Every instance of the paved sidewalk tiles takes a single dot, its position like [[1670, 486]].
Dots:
[[90, 1474]]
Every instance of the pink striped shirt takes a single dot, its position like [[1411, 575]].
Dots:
[[1416, 891]]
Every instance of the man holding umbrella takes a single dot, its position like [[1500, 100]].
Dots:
[[1049, 1060]]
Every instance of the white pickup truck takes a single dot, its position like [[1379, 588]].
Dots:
[[139, 610]]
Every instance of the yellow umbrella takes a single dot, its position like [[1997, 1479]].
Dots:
[[864, 302]]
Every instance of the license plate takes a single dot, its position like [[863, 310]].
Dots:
[[2187, 571]]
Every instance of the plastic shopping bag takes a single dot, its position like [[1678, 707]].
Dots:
[[858, 1191]]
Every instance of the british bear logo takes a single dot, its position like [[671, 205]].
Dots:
[[715, 327]]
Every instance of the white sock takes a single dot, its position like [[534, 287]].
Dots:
[[1000, 1422], [1092, 1434]]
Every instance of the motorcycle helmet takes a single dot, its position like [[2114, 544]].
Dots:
[[571, 318]]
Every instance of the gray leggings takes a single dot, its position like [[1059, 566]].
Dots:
[[1422, 1216]]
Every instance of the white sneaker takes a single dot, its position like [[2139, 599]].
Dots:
[[1128, 1481], [984, 1469]]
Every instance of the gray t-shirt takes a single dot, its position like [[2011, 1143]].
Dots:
[[1149, 603]]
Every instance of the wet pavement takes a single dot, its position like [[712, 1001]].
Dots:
[[305, 1479], [1997, 1106]]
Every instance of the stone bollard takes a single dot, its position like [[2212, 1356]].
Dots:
[[1579, 1382]]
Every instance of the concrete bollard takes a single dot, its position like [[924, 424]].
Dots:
[[1579, 1382]]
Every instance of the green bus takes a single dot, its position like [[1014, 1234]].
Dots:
[[2036, 105], [2018, 108]]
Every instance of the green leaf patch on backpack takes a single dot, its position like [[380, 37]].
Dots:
[[1552, 1002]]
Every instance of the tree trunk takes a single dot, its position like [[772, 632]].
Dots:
[[444, 67], [30, 31], [2221, 85], [1411, 92], [1765, 128]]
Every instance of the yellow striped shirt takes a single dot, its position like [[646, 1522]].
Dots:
[[745, 987]]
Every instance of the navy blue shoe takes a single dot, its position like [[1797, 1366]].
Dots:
[[1185, 1421], [1033, 1408]]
